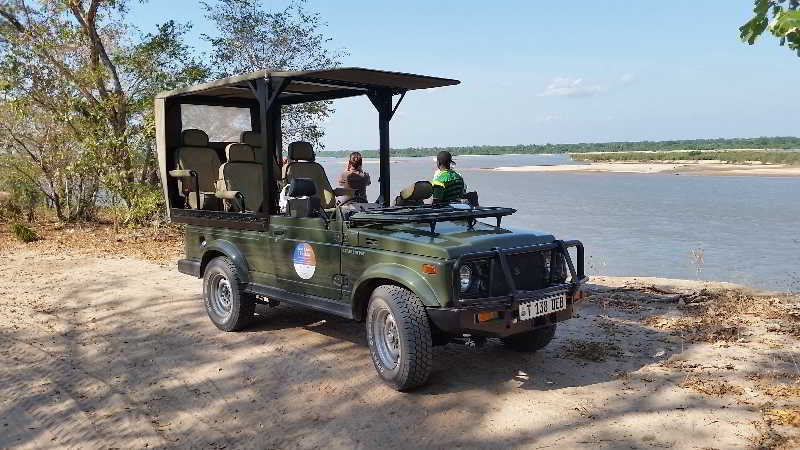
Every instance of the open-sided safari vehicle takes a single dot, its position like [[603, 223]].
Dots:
[[419, 274]]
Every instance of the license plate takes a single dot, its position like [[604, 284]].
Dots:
[[541, 307]]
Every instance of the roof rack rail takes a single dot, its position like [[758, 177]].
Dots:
[[430, 214]]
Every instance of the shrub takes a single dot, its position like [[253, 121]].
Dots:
[[24, 233], [8, 209], [147, 204]]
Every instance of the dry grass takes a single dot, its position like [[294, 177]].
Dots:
[[710, 386], [699, 329], [161, 245], [783, 390], [777, 428], [591, 350], [783, 417], [778, 385], [721, 315]]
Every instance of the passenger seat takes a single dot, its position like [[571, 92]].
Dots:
[[415, 194], [301, 165], [244, 175], [253, 139], [196, 155]]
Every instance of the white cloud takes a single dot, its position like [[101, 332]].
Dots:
[[549, 118], [627, 78], [571, 87]]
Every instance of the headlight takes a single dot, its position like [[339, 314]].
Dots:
[[465, 277]]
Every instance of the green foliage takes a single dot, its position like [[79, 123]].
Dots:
[[76, 88], [24, 233], [250, 37], [8, 209], [740, 157], [694, 144], [785, 23], [24, 195], [148, 206]]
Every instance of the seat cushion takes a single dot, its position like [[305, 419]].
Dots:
[[194, 138], [301, 151], [251, 138], [208, 201], [240, 152], [204, 161], [245, 177], [417, 192], [302, 169]]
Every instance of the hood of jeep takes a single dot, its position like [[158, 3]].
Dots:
[[452, 239]]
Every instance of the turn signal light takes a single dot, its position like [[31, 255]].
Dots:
[[578, 295], [487, 316], [430, 269]]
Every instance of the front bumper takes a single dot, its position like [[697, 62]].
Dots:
[[189, 267], [462, 320]]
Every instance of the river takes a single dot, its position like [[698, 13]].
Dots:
[[723, 228]]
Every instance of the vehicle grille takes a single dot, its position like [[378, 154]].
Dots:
[[530, 271]]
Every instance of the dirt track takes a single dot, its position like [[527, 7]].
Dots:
[[118, 353]]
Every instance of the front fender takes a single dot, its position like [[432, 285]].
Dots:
[[215, 247], [403, 276]]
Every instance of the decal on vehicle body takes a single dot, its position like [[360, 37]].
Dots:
[[305, 262]]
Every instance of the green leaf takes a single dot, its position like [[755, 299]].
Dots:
[[785, 23]]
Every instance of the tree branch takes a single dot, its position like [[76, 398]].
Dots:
[[12, 19]]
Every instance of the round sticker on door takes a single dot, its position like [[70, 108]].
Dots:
[[305, 262]]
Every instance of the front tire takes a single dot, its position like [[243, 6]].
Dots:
[[399, 337], [531, 341], [227, 305]]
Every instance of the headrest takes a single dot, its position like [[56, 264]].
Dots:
[[301, 151], [239, 152], [251, 138], [194, 138], [302, 187], [417, 192]]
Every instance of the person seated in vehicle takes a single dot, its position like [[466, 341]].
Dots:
[[355, 177], [448, 185]]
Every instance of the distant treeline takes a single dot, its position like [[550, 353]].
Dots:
[[738, 156], [778, 142]]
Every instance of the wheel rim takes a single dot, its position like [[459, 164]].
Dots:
[[221, 296], [386, 337]]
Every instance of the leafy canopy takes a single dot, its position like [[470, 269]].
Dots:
[[76, 85], [251, 38], [785, 23]]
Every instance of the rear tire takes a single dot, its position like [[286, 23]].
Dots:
[[531, 341], [399, 337], [227, 305]]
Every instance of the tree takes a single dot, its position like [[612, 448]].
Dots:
[[39, 151], [250, 38], [785, 23], [77, 66]]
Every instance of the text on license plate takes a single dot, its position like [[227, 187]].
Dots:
[[547, 305]]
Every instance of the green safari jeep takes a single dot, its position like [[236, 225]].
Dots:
[[261, 230]]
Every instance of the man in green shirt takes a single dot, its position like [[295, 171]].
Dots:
[[448, 186]]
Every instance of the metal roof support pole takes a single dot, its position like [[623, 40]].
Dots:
[[382, 100], [267, 91]]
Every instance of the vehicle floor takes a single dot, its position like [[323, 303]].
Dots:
[[119, 353]]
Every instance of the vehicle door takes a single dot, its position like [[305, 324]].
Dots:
[[307, 255]]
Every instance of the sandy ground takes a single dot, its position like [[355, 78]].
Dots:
[[118, 353], [679, 168]]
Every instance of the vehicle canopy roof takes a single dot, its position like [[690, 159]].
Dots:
[[314, 85]]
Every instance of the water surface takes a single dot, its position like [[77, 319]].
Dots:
[[745, 228]]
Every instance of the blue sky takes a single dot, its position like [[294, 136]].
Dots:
[[558, 72]]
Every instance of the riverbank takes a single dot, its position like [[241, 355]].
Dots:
[[679, 167], [104, 350]]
